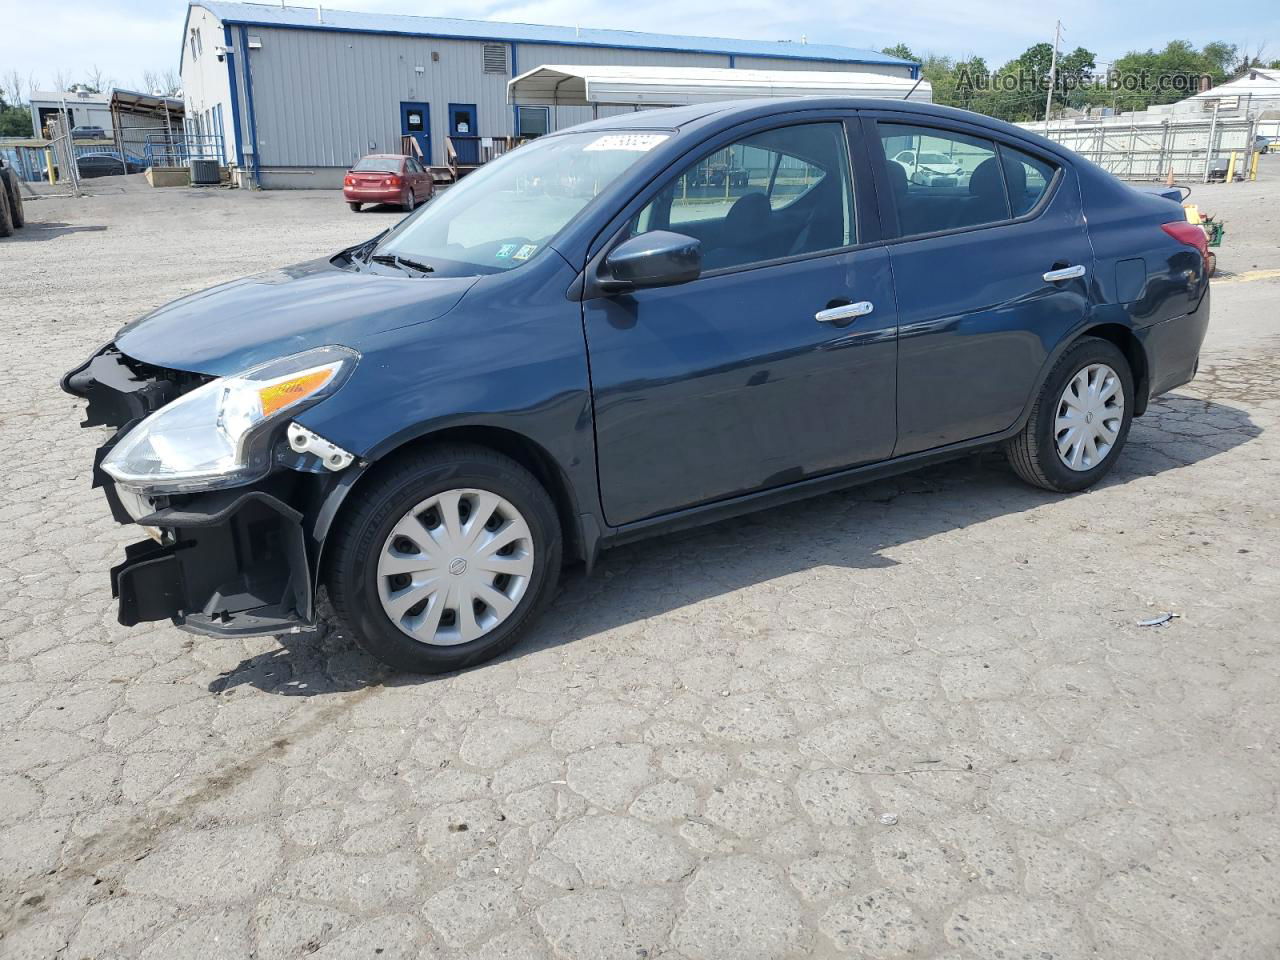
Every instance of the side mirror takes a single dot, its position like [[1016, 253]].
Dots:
[[655, 259]]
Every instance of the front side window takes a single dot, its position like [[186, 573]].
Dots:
[[500, 216], [780, 193], [954, 180]]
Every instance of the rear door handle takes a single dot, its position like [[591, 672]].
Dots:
[[1066, 273], [848, 311]]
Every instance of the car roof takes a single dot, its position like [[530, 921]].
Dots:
[[702, 116], [677, 118]]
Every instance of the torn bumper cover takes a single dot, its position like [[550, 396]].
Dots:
[[230, 562]]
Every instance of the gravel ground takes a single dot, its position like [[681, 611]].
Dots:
[[917, 719]]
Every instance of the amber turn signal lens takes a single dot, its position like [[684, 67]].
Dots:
[[280, 395]]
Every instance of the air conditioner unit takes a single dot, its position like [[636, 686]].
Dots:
[[205, 173]]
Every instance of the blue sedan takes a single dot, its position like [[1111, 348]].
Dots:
[[602, 336]]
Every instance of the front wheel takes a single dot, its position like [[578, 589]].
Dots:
[[1080, 421], [15, 199], [444, 558]]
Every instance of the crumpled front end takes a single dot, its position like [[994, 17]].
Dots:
[[228, 562]]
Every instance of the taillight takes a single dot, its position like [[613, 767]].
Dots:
[[350, 181], [1192, 234], [393, 181]]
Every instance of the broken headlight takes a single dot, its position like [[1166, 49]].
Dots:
[[219, 435]]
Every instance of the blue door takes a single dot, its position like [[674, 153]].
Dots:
[[464, 133], [415, 121], [777, 364], [981, 224]]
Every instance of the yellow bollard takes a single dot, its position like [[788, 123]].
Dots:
[[1253, 167], [1231, 168], [48, 164]]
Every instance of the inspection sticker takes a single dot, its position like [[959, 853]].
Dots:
[[506, 250], [636, 142], [525, 252]]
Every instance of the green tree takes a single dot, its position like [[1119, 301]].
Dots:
[[1166, 76], [901, 51], [14, 121]]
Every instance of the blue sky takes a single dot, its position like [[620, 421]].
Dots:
[[125, 37]]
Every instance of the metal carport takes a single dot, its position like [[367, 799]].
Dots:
[[558, 85]]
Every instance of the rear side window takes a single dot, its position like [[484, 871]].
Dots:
[[941, 179], [1028, 178]]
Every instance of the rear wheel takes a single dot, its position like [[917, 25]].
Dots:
[[444, 559], [408, 202], [16, 213], [355, 206], [1079, 422]]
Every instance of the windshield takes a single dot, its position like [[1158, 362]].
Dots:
[[500, 216], [934, 158], [379, 164]]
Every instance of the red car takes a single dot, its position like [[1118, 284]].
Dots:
[[387, 178]]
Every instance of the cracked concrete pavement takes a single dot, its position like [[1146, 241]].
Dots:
[[915, 719]]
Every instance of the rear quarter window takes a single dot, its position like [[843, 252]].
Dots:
[[1028, 178]]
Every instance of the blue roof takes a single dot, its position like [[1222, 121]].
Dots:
[[274, 15]]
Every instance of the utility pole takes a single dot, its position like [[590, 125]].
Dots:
[[1053, 71]]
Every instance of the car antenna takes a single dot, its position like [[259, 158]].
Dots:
[[913, 87]]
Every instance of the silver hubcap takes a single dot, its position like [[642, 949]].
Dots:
[[1089, 417], [455, 566]]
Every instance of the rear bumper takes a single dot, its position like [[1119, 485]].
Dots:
[[373, 195], [227, 563], [1173, 347]]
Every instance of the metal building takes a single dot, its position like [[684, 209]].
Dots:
[[297, 94]]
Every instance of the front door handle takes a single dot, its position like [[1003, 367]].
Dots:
[[847, 311], [1066, 273]]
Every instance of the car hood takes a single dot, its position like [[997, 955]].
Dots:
[[236, 325]]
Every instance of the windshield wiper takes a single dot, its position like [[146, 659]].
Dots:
[[395, 260]]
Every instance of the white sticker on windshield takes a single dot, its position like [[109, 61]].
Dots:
[[635, 142]]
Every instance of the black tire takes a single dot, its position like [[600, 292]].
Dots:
[[16, 213], [407, 202], [6, 217], [382, 500], [355, 207], [1033, 452]]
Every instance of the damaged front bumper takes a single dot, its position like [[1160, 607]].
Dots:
[[227, 563]]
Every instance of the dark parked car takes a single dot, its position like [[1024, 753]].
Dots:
[[388, 178], [88, 133], [539, 365], [91, 165]]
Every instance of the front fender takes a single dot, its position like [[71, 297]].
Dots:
[[509, 357]]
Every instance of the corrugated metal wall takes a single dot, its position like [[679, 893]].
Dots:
[[322, 99], [204, 77]]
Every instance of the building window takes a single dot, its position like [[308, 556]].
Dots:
[[532, 121], [495, 58]]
